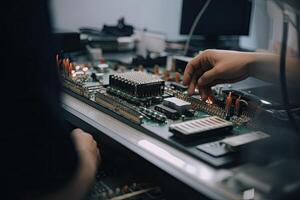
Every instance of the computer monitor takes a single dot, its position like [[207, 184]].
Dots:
[[221, 18]]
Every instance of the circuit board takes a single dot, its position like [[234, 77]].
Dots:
[[158, 104]]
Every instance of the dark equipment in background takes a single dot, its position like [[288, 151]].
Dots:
[[68, 42], [230, 18], [111, 38]]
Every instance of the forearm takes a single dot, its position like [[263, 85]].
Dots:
[[266, 66]]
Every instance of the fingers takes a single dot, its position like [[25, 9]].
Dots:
[[208, 77], [195, 68], [188, 73], [192, 85], [206, 93], [192, 67]]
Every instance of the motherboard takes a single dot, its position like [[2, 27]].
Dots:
[[155, 102]]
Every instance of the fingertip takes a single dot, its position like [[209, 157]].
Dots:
[[191, 89], [203, 95]]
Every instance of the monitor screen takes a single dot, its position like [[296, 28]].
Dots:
[[222, 17]]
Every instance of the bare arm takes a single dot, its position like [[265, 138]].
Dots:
[[212, 67]]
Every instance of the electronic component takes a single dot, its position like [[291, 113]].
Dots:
[[228, 105], [101, 190], [215, 149], [231, 144], [190, 113], [131, 99], [237, 106], [169, 112], [177, 77], [118, 106], [201, 128], [211, 109], [178, 86], [177, 104], [154, 115], [237, 141], [75, 87], [197, 103], [137, 84], [102, 67]]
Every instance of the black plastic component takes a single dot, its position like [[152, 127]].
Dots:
[[169, 112], [201, 128], [179, 87]]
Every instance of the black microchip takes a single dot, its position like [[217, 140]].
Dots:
[[169, 112], [179, 87]]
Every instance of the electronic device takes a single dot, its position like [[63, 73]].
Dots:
[[221, 18], [68, 41], [215, 131], [160, 106]]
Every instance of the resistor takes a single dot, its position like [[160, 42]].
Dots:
[[228, 105]]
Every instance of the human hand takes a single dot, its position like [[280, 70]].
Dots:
[[87, 148], [213, 67]]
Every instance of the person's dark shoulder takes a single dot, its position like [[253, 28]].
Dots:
[[37, 152]]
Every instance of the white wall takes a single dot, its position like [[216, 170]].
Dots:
[[259, 28], [156, 15]]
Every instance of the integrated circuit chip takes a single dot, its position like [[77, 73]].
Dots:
[[177, 104]]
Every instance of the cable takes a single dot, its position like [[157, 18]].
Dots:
[[298, 33], [197, 19], [284, 90]]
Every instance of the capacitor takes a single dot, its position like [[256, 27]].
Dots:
[[228, 105], [85, 69], [183, 117], [57, 61], [237, 106], [141, 68], [156, 70], [166, 75], [77, 67], [177, 77], [102, 61]]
